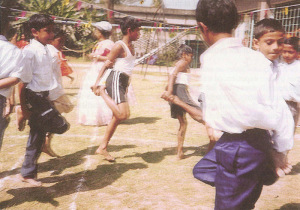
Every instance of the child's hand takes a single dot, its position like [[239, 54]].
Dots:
[[213, 135], [282, 166], [166, 95], [169, 97], [98, 90]]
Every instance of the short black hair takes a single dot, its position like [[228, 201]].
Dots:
[[106, 34], [294, 41], [266, 26], [129, 22], [220, 16], [58, 32], [183, 49], [39, 21]]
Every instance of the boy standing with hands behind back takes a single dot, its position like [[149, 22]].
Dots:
[[43, 117]]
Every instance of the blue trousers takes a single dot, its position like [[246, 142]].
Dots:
[[238, 166], [34, 146], [3, 121]]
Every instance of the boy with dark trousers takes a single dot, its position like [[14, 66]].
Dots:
[[240, 98], [43, 117]]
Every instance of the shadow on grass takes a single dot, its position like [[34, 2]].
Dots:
[[158, 156], [58, 165], [83, 181], [295, 170], [138, 120], [290, 206]]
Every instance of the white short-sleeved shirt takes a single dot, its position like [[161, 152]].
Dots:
[[58, 91], [12, 64], [240, 93], [289, 80], [40, 67]]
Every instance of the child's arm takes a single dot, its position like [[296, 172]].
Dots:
[[179, 67], [26, 113], [116, 52], [8, 82]]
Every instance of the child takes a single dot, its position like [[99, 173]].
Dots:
[[178, 85], [57, 96], [13, 69], [122, 59], [92, 109], [290, 75], [43, 117], [22, 43], [239, 99], [66, 70]]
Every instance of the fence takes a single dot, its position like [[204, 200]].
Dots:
[[289, 16]]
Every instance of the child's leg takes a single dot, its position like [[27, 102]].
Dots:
[[242, 160], [47, 146], [33, 150], [181, 134], [120, 111], [3, 120], [123, 109]]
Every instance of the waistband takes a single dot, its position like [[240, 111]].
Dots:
[[257, 138], [41, 93]]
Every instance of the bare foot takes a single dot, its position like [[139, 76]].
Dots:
[[30, 181], [180, 156], [47, 149], [105, 154]]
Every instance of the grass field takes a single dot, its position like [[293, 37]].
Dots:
[[146, 174]]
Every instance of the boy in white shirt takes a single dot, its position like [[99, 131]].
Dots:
[[290, 75], [11, 72], [239, 99], [43, 117]]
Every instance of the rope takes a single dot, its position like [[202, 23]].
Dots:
[[78, 51]]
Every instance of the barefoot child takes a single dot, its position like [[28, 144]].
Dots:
[[240, 99], [43, 117], [57, 96], [121, 59], [178, 85]]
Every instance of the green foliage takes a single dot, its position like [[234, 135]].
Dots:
[[168, 56], [53, 7]]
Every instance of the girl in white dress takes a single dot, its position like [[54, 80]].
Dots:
[[92, 109]]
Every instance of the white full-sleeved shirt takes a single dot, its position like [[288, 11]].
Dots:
[[40, 67], [240, 93], [58, 91], [12, 64], [289, 80]]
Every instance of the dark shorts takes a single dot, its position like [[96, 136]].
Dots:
[[183, 94], [116, 86]]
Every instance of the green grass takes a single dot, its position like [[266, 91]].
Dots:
[[146, 174]]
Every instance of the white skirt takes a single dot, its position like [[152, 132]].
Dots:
[[92, 109]]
